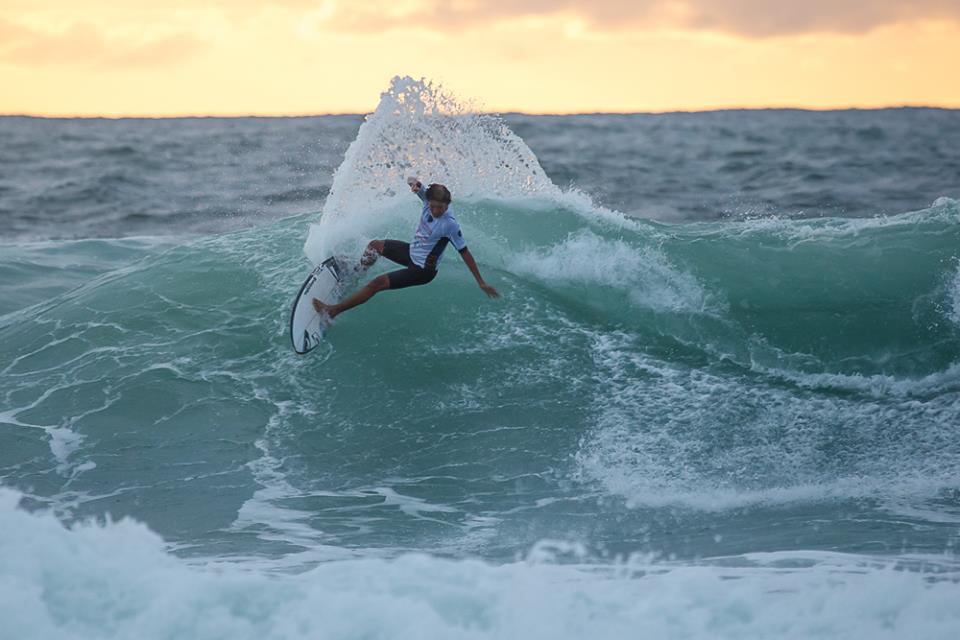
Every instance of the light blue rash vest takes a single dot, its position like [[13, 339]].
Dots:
[[433, 234]]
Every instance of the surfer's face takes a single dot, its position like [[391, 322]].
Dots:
[[437, 208]]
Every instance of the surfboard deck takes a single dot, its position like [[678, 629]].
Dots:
[[326, 282]]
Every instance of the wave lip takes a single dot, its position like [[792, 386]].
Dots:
[[644, 274]]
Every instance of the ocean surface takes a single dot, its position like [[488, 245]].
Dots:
[[719, 397]]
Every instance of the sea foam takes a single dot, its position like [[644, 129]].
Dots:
[[116, 580]]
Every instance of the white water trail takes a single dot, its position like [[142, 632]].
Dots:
[[419, 129]]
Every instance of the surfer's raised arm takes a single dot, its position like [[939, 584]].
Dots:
[[417, 187]]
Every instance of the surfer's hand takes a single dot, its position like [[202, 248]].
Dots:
[[414, 184], [490, 291]]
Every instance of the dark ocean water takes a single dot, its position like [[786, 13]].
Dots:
[[87, 178], [720, 396]]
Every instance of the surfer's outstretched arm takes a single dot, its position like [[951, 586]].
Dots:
[[472, 265]]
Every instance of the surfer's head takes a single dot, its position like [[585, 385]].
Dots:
[[438, 197]]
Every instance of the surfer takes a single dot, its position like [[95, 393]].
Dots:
[[420, 258]]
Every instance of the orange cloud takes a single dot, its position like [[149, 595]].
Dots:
[[83, 43]]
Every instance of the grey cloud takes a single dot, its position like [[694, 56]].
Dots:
[[755, 18], [759, 18]]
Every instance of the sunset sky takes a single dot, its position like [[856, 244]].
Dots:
[[279, 57]]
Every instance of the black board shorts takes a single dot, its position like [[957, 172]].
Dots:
[[399, 252]]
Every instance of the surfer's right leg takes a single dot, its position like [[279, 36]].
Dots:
[[380, 283], [400, 279]]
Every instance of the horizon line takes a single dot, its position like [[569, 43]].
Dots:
[[200, 116]]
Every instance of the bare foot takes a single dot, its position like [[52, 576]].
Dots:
[[323, 309]]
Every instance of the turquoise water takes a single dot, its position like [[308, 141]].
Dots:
[[737, 427]]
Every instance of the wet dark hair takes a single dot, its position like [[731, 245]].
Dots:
[[439, 193]]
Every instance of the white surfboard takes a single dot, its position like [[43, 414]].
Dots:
[[326, 283]]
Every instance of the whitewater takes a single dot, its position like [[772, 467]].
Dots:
[[719, 398]]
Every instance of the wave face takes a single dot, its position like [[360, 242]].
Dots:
[[773, 399]]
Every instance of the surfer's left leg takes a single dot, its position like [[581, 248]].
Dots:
[[380, 283], [393, 250], [373, 251]]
